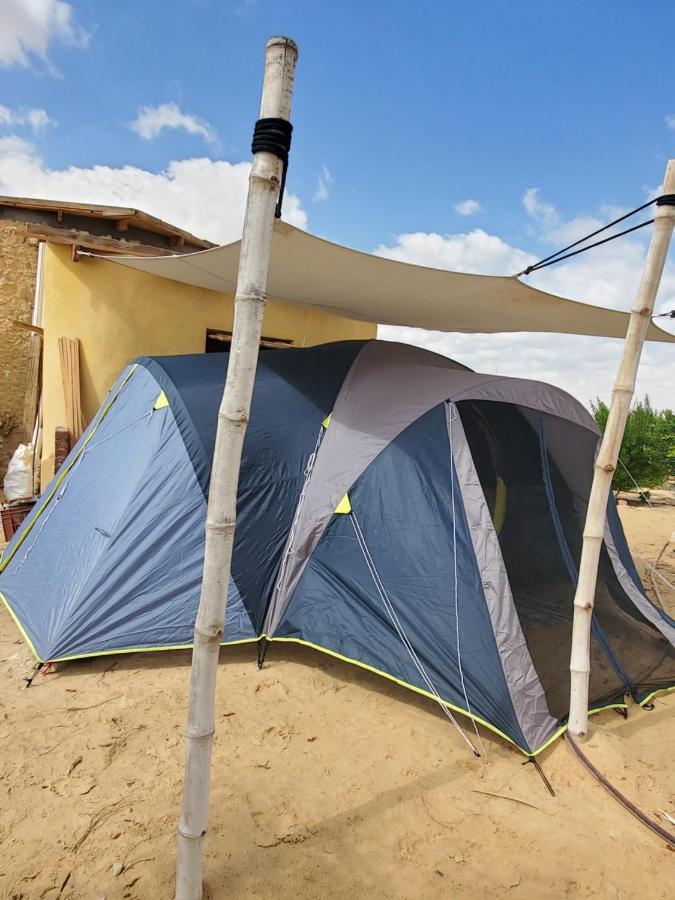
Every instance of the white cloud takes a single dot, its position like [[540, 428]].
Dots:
[[607, 276], [152, 120], [324, 181], [28, 27], [34, 117], [206, 197], [670, 122], [468, 207], [37, 118], [537, 209], [14, 146]]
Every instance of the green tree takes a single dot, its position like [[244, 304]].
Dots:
[[648, 447]]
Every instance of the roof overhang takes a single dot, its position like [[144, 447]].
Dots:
[[313, 272], [121, 219]]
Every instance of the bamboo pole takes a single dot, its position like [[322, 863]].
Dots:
[[605, 464], [265, 179]]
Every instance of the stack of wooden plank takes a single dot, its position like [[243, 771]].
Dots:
[[69, 354]]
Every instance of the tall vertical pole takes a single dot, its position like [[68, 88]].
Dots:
[[624, 387], [265, 180]]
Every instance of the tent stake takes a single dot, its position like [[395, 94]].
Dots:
[[29, 679], [542, 775], [262, 651], [264, 184], [605, 464]]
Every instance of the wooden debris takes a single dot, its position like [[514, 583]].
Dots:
[[69, 353], [505, 797]]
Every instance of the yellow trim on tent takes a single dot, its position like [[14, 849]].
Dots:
[[60, 659], [57, 484], [161, 401], [347, 659], [500, 506], [18, 624], [405, 684], [655, 693], [563, 728], [417, 690], [326, 421], [344, 507]]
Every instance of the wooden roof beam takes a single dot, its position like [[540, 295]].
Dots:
[[71, 237]]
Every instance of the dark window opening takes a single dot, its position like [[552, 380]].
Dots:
[[219, 341]]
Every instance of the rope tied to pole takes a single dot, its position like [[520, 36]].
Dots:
[[273, 135], [560, 255]]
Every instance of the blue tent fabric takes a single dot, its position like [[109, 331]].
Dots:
[[403, 502], [27, 524], [194, 386], [110, 559], [110, 579], [286, 415]]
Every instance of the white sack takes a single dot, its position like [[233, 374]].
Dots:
[[19, 478]]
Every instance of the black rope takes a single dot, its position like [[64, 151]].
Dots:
[[274, 136], [664, 200], [588, 247]]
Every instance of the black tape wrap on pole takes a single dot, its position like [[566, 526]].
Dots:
[[274, 136]]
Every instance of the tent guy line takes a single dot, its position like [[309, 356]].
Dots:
[[405, 640]]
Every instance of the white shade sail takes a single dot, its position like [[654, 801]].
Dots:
[[310, 271]]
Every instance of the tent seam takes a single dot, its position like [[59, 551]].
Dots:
[[62, 477]]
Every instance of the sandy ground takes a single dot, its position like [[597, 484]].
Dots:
[[328, 782]]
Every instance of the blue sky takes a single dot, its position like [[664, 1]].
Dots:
[[404, 111]]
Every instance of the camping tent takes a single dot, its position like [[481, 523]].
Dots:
[[395, 510]]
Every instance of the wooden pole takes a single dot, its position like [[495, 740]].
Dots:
[[605, 464], [265, 179]]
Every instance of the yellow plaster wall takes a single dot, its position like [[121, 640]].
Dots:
[[118, 314]]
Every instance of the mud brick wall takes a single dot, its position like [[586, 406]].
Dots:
[[18, 265]]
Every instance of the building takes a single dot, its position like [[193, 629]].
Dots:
[[52, 288]]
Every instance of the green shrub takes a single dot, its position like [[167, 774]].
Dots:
[[648, 447]]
